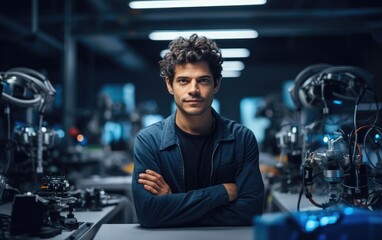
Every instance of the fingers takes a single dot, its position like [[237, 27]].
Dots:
[[153, 183], [152, 186], [154, 176], [151, 189]]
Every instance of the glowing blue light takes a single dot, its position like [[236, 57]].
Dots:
[[337, 102], [377, 138], [326, 139], [328, 220], [333, 219], [60, 133], [348, 211], [324, 221], [311, 225]]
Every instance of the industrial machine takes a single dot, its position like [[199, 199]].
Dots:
[[25, 96], [336, 146]]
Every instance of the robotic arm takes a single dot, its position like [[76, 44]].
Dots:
[[28, 88], [35, 90]]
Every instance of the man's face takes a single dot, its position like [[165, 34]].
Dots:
[[193, 88]]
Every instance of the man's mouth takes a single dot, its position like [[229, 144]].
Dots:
[[193, 100]]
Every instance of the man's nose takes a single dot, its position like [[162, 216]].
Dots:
[[194, 88]]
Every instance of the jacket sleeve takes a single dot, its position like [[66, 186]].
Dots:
[[178, 209], [250, 198]]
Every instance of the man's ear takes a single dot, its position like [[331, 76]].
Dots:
[[169, 86], [217, 86]]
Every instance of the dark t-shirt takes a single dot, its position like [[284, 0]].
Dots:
[[197, 157]]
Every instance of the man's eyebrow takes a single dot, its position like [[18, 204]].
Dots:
[[182, 77], [205, 76]]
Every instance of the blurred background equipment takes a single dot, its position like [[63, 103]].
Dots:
[[29, 89], [339, 153], [337, 223], [26, 87]]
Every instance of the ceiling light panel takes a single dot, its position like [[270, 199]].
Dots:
[[192, 3], [235, 52], [233, 65], [165, 35], [231, 74]]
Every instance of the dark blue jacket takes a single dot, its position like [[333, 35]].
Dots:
[[235, 159]]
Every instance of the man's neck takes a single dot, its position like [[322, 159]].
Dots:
[[195, 125]]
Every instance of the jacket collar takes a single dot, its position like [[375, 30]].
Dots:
[[170, 138]]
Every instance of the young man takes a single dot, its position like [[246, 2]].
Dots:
[[196, 167]]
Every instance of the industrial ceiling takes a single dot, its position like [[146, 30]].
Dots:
[[291, 35]]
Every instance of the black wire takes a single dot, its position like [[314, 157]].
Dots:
[[299, 197], [303, 189]]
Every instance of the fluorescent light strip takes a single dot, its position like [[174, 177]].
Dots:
[[231, 74], [233, 66], [235, 52], [192, 3], [162, 35], [226, 52]]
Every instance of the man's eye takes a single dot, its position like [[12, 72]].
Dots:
[[204, 80]]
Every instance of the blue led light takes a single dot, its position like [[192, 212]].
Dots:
[[328, 220], [60, 133], [324, 221], [348, 211], [377, 138], [311, 225], [337, 102]]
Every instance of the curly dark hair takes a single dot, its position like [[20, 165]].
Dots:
[[192, 50]]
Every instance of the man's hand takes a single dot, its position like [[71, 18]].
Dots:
[[154, 183], [231, 190]]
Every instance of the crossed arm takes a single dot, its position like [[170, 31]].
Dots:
[[154, 183]]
